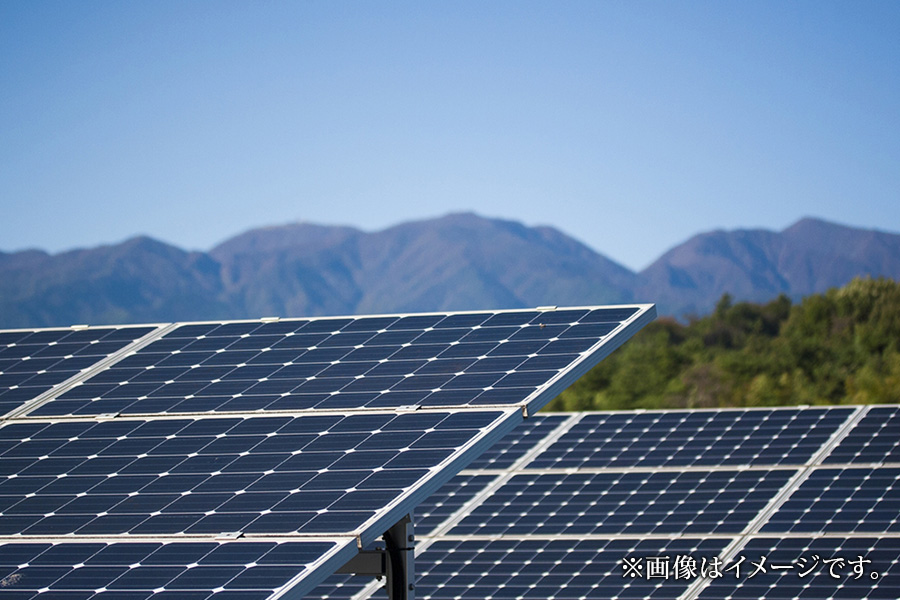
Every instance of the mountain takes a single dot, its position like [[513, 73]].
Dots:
[[456, 262], [460, 261], [756, 265], [140, 280]]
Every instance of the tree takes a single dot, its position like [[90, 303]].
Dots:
[[838, 347]]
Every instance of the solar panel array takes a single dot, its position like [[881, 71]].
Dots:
[[244, 460], [736, 503]]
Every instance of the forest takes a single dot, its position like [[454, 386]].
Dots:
[[840, 347]]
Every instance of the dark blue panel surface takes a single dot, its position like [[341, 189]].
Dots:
[[447, 500], [518, 442], [688, 502], [466, 359], [694, 438], [851, 500], [307, 474], [875, 439], [33, 361]]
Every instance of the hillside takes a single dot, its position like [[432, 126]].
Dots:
[[808, 257], [456, 262], [840, 347], [140, 280]]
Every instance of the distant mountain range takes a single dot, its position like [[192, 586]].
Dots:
[[456, 262]]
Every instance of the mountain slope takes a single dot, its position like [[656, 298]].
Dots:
[[756, 265], [460, 261], [456, 262], [140, 280]]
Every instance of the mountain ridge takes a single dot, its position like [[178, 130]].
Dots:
[[456, 262]]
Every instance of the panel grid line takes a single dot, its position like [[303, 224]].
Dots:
[[603, 348], [110, 360], [614, 470], [503, 478], [439, 532], [754, 527]]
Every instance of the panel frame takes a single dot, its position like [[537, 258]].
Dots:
[[591, 357], [111, 359], [452, 465], [508, 418], [644, 314]]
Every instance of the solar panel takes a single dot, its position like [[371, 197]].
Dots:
[[261, 475], [876, 439], [316, 435], [445, 360], [187, 570], [847, 500], [694, 438], [108, 489], [34, 361], [687, 502], [553, 539]]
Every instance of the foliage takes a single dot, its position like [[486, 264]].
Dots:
[[842, 346]]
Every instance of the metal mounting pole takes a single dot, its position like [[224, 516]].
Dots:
[[395, 562], [400, 547]]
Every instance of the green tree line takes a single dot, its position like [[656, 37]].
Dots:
[[840, 347]]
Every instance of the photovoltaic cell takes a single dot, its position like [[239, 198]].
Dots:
[[688, 502], [694, 438], [875, 439], [34, 361], [848, 500], [469, 359]]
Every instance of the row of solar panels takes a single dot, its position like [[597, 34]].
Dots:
[[252, 459], [795, 502], [234, 461], [426, 360]]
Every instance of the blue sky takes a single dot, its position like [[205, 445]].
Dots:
[[629, 125]]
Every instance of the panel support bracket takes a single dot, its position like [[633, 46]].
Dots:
[[395, 562]]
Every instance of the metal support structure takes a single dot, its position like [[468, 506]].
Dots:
[[395, 562], [400, 547]]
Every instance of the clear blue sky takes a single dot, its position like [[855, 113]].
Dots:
[[629, 125]]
